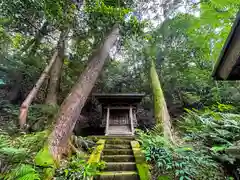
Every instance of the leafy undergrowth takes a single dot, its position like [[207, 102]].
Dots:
[[18, 154], [177, 162], [40, 117], [78, 169], [217, 130], [210, 147]]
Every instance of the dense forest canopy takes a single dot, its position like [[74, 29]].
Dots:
[[55, 53]]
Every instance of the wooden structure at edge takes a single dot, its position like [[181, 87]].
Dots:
[[228, 64], [119, 112]]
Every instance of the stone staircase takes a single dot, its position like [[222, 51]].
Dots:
[[120, 161]]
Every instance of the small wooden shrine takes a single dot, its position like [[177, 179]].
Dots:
[[119, 112]]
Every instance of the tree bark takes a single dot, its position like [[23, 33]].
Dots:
[[55, 73], [74, 102], [27, 102], [161, 113]]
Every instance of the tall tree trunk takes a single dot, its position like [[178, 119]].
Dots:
[[162, 116], [73, 104], [55, 74], [27, 102]]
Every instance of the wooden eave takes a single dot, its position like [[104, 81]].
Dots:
[[228, 64], [118, 98]]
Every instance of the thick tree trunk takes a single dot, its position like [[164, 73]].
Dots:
[[73, 104], [162, 116], [27, 102], [55, 74]]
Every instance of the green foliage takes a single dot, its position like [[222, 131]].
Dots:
[[185, 46], [32, 142], [178, 162], [40, 116], [215, 129], [211, 127], [79, 169], [13, 153], [20, 149], [23, 172]]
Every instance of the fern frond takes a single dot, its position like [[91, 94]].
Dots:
[[23, 172]]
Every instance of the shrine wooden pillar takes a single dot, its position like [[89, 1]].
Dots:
[[131, 119], [107, 120]]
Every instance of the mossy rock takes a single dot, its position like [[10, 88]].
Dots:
[[44, 158], [96, 154]]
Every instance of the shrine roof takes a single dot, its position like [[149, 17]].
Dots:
[[119, 98], [228, 64]]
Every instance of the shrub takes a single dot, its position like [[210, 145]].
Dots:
[[217, 130], [78, 169], [177, 162], [19, 149]]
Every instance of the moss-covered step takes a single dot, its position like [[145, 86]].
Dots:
[[111, 137], [117, 152], [117, 146], [118, 158], [118, 175], [118, 141], [120, 166]]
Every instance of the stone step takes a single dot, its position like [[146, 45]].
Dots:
[[117, 146], [118, 141], [118, 175], [118, 158], [120, 166], [112, 137], [117, 152]]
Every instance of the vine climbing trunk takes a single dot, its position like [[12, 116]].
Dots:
[[55, 73], [74, 102], [160, 107]]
